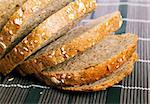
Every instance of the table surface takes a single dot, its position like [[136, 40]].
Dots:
[[134, 89]]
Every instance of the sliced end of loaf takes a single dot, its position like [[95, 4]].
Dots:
[[75, 41], [23, 21], [46, 33], [93, 64], [109, 80]]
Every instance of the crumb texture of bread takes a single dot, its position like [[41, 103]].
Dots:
[[109, 80], [91, 65], [7, 8], [23, 21], [52, 28], [75, 41]]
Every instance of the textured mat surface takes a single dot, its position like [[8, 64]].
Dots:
[[134, 89]]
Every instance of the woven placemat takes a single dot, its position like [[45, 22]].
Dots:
[[134, 89]]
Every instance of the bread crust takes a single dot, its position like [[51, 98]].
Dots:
[[92, 73], [7, 8], [107, 81], [71, 48], [23, 21], [45, 33]]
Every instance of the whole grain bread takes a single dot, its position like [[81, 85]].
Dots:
[[7, 8], [75, 41], [96, 62], [108, 80], [52, 28], [23, 21]]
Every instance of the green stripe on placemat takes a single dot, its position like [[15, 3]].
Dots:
[[113, 94], [0, 78], [33, 96], [122, 29], [123, 10]]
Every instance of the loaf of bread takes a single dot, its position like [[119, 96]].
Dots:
[[7, 8], [77, 40], [45, 38], [49, 30], [23, 21], [108, 80], [93, 64]]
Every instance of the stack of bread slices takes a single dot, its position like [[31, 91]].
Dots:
[[44, 38]]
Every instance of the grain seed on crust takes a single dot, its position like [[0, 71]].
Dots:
[[63, 76], [10, 32], [62, 80], [18, 21], [21, 53], [15, 49], [120, 60], [55, 81], [26, 49], [20, 12], [68, 76], [2, 45]]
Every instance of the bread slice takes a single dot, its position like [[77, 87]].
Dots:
[[7, 8], [52, 28], [107, 81], [75, 41], [23, 21], [91, 65]]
